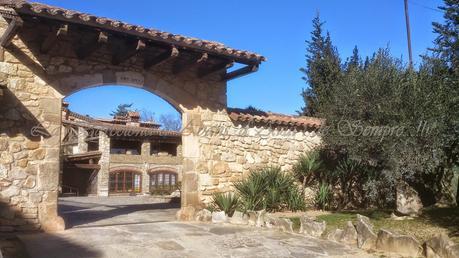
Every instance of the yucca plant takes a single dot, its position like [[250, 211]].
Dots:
[[307, 167], [227, 202], [295, 201], [251, 190], [268, 188], [323, 197]]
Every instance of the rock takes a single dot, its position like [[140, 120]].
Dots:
[[204, 215], [219, 217], [400, 244], [395, 217], [440, 246], [408, 201], [18, 174], [271, 221], [239, 218], [311, 227], [257, 218], [335, 235], [285, 225], [10, 192], [366, 238], [3, 144], [30, 145], [38, 154], [349, 235], [6, 158], [186, 213]]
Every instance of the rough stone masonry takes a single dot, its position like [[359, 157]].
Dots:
[[41, 63]]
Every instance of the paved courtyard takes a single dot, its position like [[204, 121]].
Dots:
[[136, 227]]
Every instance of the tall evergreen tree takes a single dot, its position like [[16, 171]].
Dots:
[[322, 68], [447, 41]]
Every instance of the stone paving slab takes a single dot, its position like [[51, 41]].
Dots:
[[125, 228], [174, 239]]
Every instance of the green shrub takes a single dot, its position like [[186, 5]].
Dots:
[[307, 167], [227, 202], [323, 197], [268, 188]]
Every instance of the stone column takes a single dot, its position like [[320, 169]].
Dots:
[[82, 144], [190, 202], [104, 162], [145, 149], [48, 170], [145, 179]]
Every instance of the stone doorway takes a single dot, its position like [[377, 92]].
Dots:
[[49, 52]]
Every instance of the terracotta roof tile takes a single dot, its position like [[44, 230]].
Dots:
[[269, 118], [52, 12]]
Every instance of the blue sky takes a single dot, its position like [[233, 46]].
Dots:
[[275, 29]]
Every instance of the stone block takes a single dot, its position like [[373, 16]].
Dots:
[[366, 238], [186, 213], [204, 215], [408, 201], [257, 218], [311, 227], [440, 246], [239, 218], [285, 225], [219, 217], [400, 244]]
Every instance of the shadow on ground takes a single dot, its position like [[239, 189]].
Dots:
[[78, 214]]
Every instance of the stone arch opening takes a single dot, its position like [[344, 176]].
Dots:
[[114, 155], [49, 52]]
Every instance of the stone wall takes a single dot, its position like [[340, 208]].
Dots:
[[228, 150], [34, 86]]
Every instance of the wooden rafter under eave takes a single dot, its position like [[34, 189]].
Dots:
[[52, 38], [13, 28], [161, 58], [240, 72]]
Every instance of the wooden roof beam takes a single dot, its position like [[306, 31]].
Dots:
[[215, 69], [125, 51], [180, 67], [240, 72], [161, 58], [13, 28], [92, 45], [84, 166], [52, 38]]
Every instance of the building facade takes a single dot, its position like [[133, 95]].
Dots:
[[118, 156]]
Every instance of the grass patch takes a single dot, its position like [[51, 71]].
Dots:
[[431, 222]]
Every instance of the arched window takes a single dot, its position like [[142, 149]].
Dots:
[[163, 182], [125, 181]]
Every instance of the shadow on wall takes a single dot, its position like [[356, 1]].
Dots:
[[37, 245], [17, 119], [77, 214]]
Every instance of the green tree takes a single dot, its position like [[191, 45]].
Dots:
[[122, 110], [322, 68]]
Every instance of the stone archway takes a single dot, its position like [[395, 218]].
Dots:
[[48, 53]]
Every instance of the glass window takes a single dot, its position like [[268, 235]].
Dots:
[[124, 182]]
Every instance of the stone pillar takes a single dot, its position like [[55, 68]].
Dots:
[[104, 162], [48, 170], [82, 144], [145, 179], [145, 149], [190, 201]]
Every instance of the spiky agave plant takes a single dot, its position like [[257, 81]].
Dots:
[[307, 166], [227, 202]]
